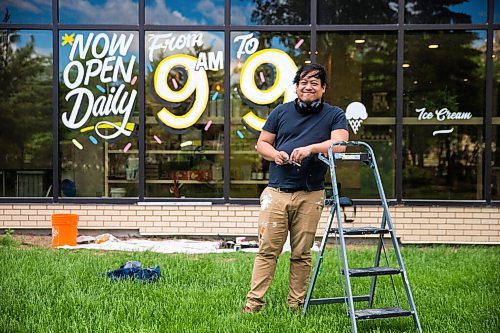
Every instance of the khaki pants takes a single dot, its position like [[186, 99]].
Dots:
[[299, 213]]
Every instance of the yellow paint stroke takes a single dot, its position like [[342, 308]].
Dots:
[[77, 144], [68, 39], [254, 121], [129, 126]]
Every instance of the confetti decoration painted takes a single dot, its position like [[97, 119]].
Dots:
[[68, 39], [207, 126], [186, 143], [299, 43], [150, 68], [448, 131], [127, 147], [240, 134], [262, 78], [93, 140], [157, 139], [133, 80], [77, 144], [101, 89], [174, 82], [213, 42], [214, 97]]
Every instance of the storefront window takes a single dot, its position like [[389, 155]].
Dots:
[[195, 12], [362, 81], [263, 66], [495, 154], [357, 12], [99, 11], [98, 114], [185, 114], [25, 113], [270, 12], [444, 80], [446, 12]]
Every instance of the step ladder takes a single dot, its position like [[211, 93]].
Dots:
[[366, 157]]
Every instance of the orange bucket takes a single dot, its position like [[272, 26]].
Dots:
[[64, 229]]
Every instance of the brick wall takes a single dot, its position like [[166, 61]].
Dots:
[[464, 225]]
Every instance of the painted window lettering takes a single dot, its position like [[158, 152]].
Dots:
[[108, 65], [282, 86], [356, 114], [442, 115], [166, 42], [197, 82], [248, 44]]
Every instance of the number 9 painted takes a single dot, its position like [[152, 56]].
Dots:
[[283, 84], [196, 81]]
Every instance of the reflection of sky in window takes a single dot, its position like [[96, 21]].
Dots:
[[497, 11], [168, 12], [173, 12], [480, 42], [241, 11], [477, 9], [27, 11], [64, 51], [99, 11], [43, 41]]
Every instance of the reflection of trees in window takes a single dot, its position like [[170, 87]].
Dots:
[[279, 12], [361, 67], [449, 75], [25, 108], [445, 167], [357, 11], [455, 66]]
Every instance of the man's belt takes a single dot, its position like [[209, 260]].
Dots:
[[289, 190]]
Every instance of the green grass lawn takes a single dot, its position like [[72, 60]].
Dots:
[[456, 289]]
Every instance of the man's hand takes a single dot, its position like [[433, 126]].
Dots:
[[281, 158], [298, 154]]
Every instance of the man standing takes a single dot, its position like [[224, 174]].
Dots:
[[291, 138]]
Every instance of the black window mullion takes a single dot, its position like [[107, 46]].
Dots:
[[227, 101], [488, 126], [142, 108], [314, 16], [55, 101], [399, 105]]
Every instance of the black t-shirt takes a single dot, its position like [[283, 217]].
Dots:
[[294, 129]]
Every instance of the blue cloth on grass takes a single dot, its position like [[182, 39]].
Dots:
[[135, 273]]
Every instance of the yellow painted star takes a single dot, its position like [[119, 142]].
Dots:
[[68, 39]]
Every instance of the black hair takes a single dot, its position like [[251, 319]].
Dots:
[[317, 70]]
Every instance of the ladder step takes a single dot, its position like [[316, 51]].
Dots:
[[372, 271], [381, 313], [361, 231]]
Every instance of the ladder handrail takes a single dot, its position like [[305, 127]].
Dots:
[[348, 290]]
